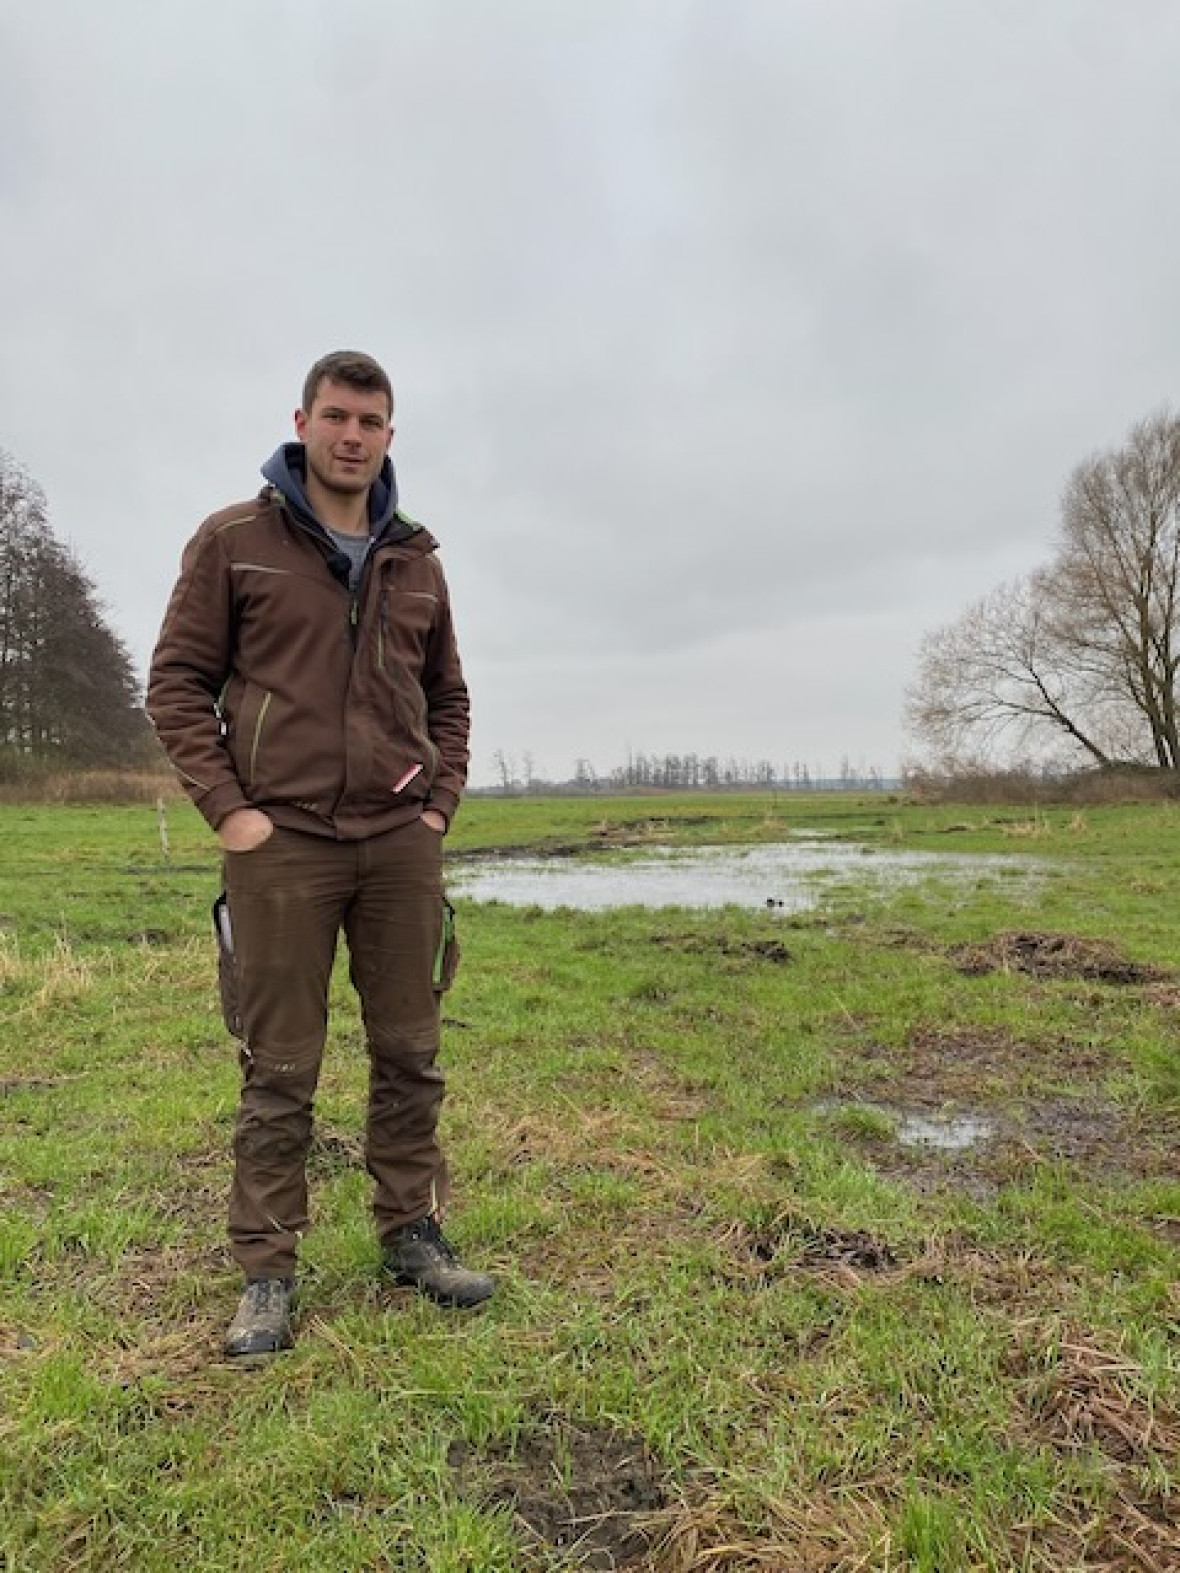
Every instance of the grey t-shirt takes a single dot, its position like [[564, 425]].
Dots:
[[356, 549]]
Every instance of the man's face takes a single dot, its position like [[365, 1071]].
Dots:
[[346, 435]]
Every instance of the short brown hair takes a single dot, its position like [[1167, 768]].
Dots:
[[351, 367]]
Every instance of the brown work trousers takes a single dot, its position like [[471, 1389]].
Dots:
[[288, 901]]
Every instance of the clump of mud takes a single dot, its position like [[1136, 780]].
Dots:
[[586, 1492], [846, 1248], [725, 945], [792, 1242], [607, 836], [1053, 956]]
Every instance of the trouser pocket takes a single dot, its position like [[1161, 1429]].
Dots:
[[227, 969], [446, 957]]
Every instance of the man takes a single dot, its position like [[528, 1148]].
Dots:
[[307, 688]]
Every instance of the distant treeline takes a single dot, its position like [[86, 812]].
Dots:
[[683, 773]]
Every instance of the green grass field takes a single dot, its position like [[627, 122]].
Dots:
[[740, 1325]]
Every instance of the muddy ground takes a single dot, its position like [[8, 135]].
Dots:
[[1050, 955], [586, 1492], [1038, 1100]]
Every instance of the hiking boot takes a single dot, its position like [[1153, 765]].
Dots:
[[418, 1255], [262, 1323]]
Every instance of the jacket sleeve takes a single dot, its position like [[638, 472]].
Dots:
[[191, 663], [448, 709]]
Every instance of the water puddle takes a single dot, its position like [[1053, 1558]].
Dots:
[[796, 876], [946, 1133], [919, 1127]]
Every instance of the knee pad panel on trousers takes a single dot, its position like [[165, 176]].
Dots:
[[413, 1049], [273, 1145]]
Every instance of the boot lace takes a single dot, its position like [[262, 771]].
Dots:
[[267, 1294], [428, 1231]]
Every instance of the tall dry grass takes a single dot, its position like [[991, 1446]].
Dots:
[[92, 786], [970, 784]]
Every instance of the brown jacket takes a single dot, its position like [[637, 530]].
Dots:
[[271, 688]]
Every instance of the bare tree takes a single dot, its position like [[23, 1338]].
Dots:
[[505, 769], [1118, 579], [1080, 656], [996, 676]]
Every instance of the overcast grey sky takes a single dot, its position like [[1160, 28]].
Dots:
[[736, 343]]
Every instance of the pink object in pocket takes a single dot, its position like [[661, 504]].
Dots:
[[403, 782]]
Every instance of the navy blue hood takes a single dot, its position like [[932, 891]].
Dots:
[[286, 470]]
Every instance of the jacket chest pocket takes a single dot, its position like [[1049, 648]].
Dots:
[[406, 623]]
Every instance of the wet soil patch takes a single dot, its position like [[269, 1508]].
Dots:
[[788, 1242], [980, 1178], [938, 1064], [542, 849], [1078, 1131], [845, 1248], [767, 949], [936, 1067], [1105, 1141], [986, 1076], [1052, 955], [588, 1493], [603, 837], [647, 828]]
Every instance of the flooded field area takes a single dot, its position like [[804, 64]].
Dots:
[[795, 875]]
